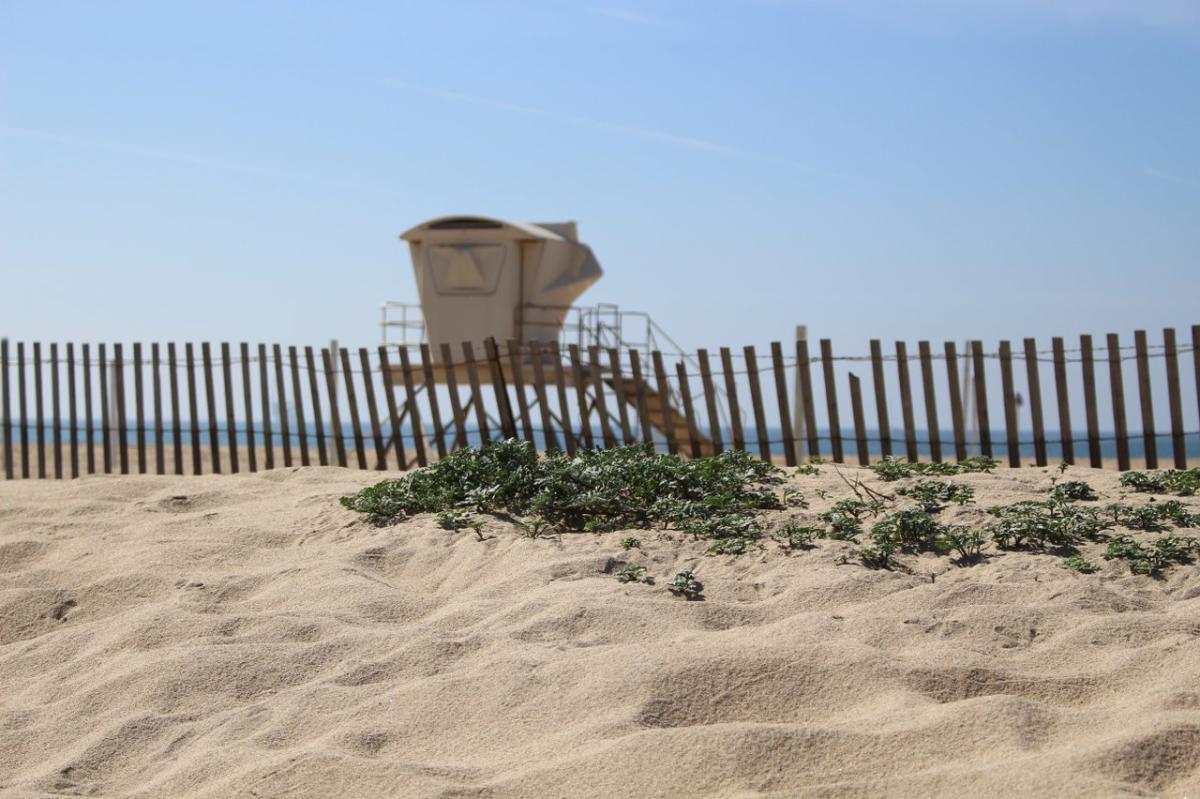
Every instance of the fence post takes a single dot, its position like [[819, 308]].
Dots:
[[248, 403], [1178, 448], [1088, 365], [835, 424], [176, 424], [1150, 442], [931, 414], [906, 402], [1012, 443], [881, 409], [785, 422], [352, 401], [1117, 384], [956, 401], [860, 432], [735, 411], [1035, 402]]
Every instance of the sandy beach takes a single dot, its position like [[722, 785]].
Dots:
[[246, 636]]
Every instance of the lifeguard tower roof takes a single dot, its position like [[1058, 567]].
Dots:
[[479, 277]]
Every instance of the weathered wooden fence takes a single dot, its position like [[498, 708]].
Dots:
[[70, 409]]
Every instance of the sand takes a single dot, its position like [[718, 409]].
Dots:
[[246, 636]]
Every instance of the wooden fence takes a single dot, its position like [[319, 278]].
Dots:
[[70, 409]]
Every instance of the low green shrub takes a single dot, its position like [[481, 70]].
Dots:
[[909, 530], [1043, 524], [1184, 482], [1078, 563], [797, 536], [632, 574], [933, 495], [631, 543], [1151, 558], [599, 489], [891, 468], [1072, 491], [686, 585], [968, 543]]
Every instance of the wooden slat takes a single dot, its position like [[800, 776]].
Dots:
[[515, 361], [360, 449], [414, 412], [1196, 361], [298, 400], [119, 391], [1035, 402], [596, 368], [210, 400], [881, 409], [314, 392], [176, 423], [785, 410], [248, 405], [335, 414], [160, 454], [56, 412], [6, 410], [906, 402], [123, 432], [564, 407], [1117, 383], [835, 426], [460, 423], [264, 384], [105, 419], [664, 398], [352, 402], [1012, 443], [804, 365], [639, 385], [860, 425], [372, 409], [618, 381], [389, 393], [193, 407], [139, 407], [539, 389], [710, 402], [508, 424], [73, 410], [39, 418], [285, 425], [1088, 363], [756, 402], [485, 435], [735, 412], [981, 400], [585, 418], [1175, 400], [931, 414], [22, 411], [231, 441], [689, 414], [89, 425], [435, 413], [1145, 397], [1066, 434], [956, 407]]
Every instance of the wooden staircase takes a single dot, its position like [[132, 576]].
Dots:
[[657, 408]]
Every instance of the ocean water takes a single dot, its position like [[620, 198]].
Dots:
[[1107, 441]]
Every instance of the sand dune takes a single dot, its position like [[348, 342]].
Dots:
[[246, 636]]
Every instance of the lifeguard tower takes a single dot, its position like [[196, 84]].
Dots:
[[480, 278]]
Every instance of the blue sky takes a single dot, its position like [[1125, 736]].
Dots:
[[908, 169]]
